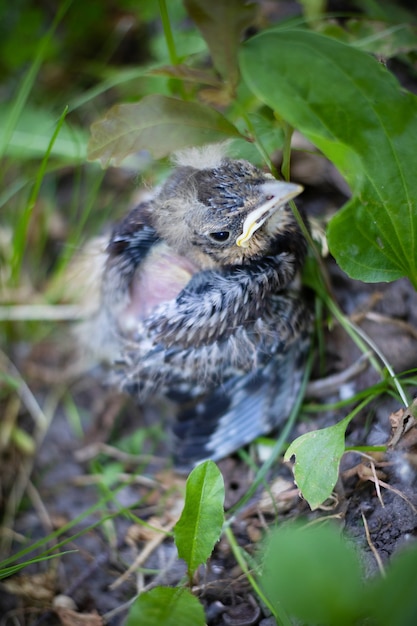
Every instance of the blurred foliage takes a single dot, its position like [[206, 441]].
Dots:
[[314, 575]]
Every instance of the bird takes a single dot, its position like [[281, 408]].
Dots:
[[201, 298]]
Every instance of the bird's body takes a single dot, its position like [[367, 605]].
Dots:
[[199, 289]]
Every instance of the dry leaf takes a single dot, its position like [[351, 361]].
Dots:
[[72, 618], [38, 589], [404, 428]]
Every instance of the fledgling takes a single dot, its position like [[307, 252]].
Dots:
[[199, 294]]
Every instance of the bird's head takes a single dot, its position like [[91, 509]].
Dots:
[[227, 214]]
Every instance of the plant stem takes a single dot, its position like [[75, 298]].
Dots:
[[258, 143], [363, 341], [282, 618], [22, 229], [169, 38], [286, 152]]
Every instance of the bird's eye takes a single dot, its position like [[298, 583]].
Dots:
[[221, 236]]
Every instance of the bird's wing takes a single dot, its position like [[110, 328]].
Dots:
[[240, 410], [129, 244], [132, 238], [148, 368], [213, 302]]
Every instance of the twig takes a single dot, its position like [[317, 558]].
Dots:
[[385, 319], [396, 491], [41, 312], [146, 552], [95, 479], [39, 506], [377, 483], [42, 422], [325, 386], [372, 547], [90, 452]]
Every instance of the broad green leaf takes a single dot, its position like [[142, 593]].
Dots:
[[222, 24], [357, 114], [393, 600], [32, 134], [313, 574], [318, 455], [166, 606], [201, 521], [159, 124]]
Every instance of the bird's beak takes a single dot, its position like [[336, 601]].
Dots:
[[278, 194]]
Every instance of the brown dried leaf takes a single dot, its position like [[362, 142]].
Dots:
[[38, 589], [215, 96], [72, 618], [139, 532], [404, 428], [279, 497]]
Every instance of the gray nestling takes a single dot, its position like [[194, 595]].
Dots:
[[200, 292]]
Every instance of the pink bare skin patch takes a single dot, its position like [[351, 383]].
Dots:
[[160, 278]]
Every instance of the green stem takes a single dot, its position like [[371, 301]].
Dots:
[[169, 38], [286, 152], [282, 618], [258, 143], [369, 449], [363, 342], [22, 230], [356, 334]]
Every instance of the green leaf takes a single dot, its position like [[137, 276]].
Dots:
[[159, 124], [357, 114], [23, 441], [201, 521], [313, 574], [31, 136], [392, 600], [222, 24], [166, 606], [318, 455]]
